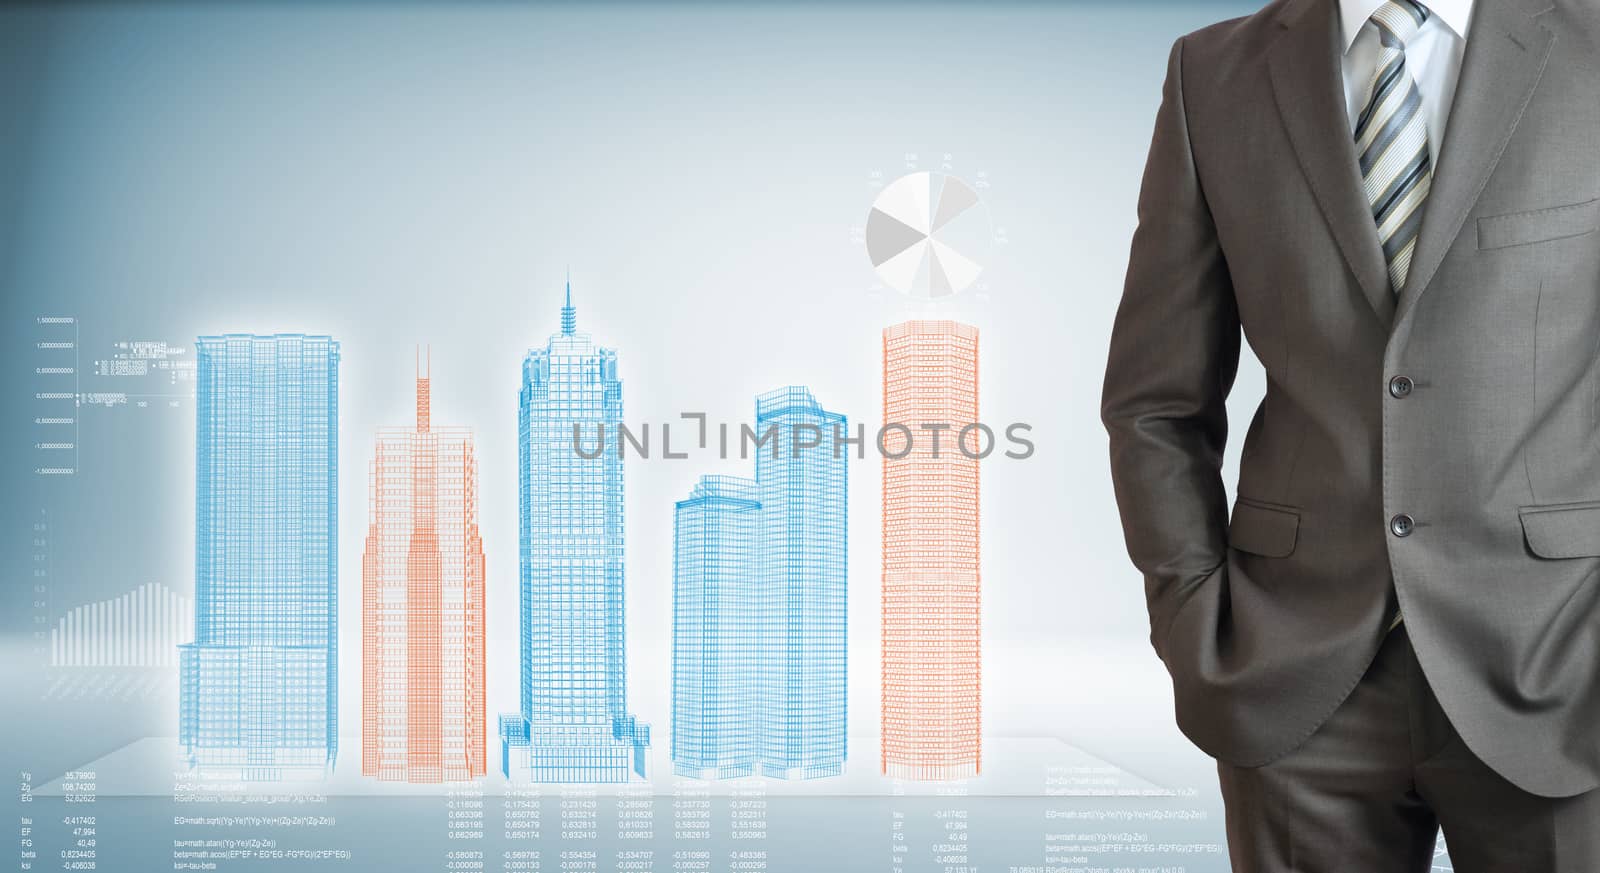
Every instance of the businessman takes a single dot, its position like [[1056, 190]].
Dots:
[[1396, 625]]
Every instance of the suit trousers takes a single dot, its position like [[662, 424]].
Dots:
[[1371, 788]]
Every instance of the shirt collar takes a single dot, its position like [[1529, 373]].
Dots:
[[1353, 15]]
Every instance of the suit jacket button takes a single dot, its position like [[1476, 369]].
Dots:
[[1401, 525], [1400, 386]]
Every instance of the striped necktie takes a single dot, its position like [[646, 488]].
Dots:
[[1392, 140]]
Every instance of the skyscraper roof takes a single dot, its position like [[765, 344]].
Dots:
[[569, 313]]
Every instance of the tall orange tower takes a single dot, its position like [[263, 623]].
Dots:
[[931, 647], [422, 695]]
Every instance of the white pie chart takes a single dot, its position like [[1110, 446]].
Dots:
[[926, 235]]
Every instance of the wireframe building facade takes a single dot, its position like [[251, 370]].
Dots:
[[931, 646], [716, 630], [259, 684], [759, 584], [573, 725], [422, 606], [802, 572]]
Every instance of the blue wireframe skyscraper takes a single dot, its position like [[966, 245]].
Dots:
[[758, 594], [802, 571], [716, 632], [573, 725], [259, 684]]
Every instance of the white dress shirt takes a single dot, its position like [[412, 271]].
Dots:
[[1433, 58]]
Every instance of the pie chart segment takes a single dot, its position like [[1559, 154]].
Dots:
[[906, 200], [903, 270], [958, 271], [888, 237], [953, 199], [927, 234]]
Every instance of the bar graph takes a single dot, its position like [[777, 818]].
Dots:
[[141, 628]]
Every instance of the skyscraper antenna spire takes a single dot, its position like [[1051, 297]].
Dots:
[[569, 313], [424, 392]]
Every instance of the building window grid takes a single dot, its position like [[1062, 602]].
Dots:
[[759, 666], [572, 724], [423, 588], [931, 648], [258, 683]]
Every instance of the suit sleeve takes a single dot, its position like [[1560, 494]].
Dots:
[[1173, 356]]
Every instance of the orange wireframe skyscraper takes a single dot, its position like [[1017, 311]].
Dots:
[[931, 644], [422, 696]]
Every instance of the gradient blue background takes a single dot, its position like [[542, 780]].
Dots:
[[396, 174]]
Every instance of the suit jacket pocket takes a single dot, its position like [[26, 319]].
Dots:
[[1266, 529], [1538, 225], [1562, 530]]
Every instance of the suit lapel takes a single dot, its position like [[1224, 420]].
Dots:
[[1505, 57], [1308, 83]]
